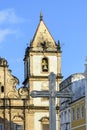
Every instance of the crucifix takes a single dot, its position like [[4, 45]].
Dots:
[[52, 94]]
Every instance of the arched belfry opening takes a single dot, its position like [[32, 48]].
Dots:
[[45, 64]]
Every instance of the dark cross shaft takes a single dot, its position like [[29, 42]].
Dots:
[[52, 94]]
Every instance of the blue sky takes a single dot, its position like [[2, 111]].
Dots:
[[65, 19]]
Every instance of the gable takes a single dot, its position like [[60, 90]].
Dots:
[[42, 36]]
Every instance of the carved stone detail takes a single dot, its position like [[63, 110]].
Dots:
[[12, 94], [23, 92]]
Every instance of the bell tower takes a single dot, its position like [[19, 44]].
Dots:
[[41, 57]]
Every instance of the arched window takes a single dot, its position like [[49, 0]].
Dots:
[[2, 89], [45, 123], [45, 64], [82, 111]]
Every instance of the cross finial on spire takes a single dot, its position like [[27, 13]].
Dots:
[[41, 16]]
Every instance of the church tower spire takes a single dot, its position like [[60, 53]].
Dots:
[[41, 58]]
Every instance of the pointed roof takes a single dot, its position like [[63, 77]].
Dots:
[[42, 35]]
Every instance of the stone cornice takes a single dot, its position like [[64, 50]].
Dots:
[[59, 76], [30, 107]]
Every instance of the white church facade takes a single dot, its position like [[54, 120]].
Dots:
[[18, 110]]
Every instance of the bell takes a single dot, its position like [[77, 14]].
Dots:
[[45, 67]]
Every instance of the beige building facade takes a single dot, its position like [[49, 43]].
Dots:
[[18, 110], [78, 114]]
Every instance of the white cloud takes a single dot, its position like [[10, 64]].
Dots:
[[4, 33], [9, 16]]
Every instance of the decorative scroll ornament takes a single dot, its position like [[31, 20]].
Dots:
[[13, 94], [23, 92]]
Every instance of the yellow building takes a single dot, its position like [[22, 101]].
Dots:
[[72, 109], [78, 114]]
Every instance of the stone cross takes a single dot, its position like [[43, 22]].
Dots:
[[52, 94]]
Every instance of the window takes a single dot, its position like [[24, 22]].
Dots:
[[61, 116], [45, 64], [65, 113], [45, 127], [69, 115], [73, 114], [45, 123], [1, 127], [82, 111], [18, 127], [78, 113], [2, 89]]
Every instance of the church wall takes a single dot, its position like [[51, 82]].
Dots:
[[7, 81], [37, 70], [30, 121], [37, 118], [2, 75], [40, 86], [59, 63], [26, 67]]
